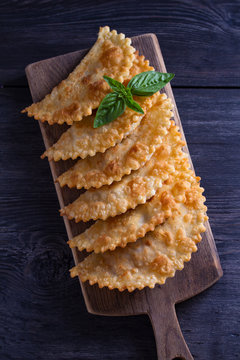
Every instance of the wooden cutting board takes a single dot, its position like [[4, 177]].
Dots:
[[159, 303]]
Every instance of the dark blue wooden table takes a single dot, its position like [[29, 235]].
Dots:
[[42, 313]]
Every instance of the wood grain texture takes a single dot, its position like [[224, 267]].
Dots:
[[199, 39], [200, 273], [39, 318]]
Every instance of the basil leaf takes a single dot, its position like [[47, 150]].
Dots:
[[133, 105], [149, 82], [115, 85], [110, 108]]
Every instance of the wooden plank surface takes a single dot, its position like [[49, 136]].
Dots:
[[38, 316], [38, 312], [199, 39]]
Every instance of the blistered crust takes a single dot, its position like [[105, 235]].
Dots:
[[127, 227], [132, 190], [84, 88], [157, 256], [81, 139], [132, 153]]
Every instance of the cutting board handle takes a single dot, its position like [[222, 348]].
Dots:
[[169, 339]]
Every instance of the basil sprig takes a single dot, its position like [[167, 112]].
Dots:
[[114, 104]]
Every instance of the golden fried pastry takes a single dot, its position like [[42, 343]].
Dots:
[[132, 153], [135, 223], [132, 190], [84, 89], [127, 227], [81, 139], [157, 256]]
